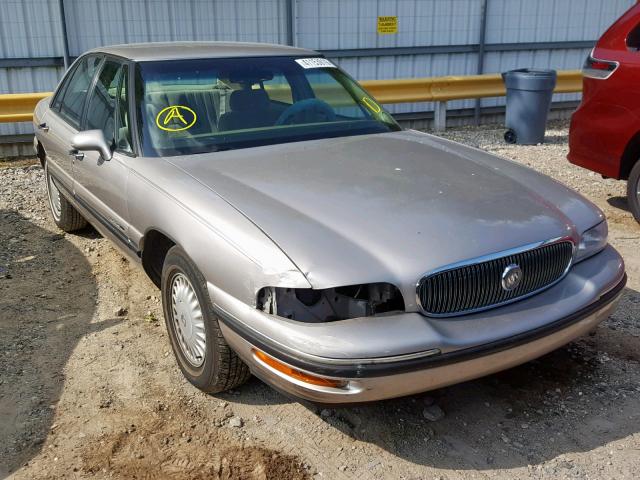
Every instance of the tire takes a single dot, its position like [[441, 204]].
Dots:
[[212, 367], [65, 216], [510, 136], [633, 191]]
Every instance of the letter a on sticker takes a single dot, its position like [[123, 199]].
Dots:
[[174, 112], [172, 118]]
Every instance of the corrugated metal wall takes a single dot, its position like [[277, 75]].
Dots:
[[31, 29], [551, 20], [94, 23], [28, 28], [342, 24], [351, 24]]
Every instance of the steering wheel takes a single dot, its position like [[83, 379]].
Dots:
[[310, 109]]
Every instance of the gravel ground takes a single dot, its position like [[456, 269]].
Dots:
[[89, 389]]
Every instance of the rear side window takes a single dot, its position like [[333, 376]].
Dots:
[[633, 39], [74, 92], [278, 89]]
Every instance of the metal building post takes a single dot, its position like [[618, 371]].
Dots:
[[481, 50], [440, 116], [290, 6], [65, 38]]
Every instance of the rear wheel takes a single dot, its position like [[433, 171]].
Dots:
[[65, 216], [197, 342], [510, 136], [633, 191]]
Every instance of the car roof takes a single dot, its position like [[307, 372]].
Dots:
[[181, 50]]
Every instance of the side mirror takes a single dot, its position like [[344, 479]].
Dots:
[[92, 140]]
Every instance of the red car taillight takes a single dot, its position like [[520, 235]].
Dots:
[[599, 69]]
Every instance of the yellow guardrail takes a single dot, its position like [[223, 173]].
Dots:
[[18, 107], [442, 89]]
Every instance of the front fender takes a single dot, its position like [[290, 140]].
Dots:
[[230, 251]]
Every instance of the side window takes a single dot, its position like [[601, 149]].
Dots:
[[326, 88], [74, 92], [633, 39], [123, 133], [278, 89], [102, 103]]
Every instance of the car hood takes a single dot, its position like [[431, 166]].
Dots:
[[388, 207]]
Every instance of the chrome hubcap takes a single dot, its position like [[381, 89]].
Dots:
[[188, 320], [54, 198]]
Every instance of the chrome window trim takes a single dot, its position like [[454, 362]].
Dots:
[[487, 258]]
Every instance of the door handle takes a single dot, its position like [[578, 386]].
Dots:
[[44, 127], [77, 155]]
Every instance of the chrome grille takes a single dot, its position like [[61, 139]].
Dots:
[[478, 286]]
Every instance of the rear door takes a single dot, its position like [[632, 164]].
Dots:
[[99, 184], [64, 118]]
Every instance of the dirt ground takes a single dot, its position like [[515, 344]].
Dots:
[[90, 389]]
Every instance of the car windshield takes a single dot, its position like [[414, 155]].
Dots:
[[207, 105]]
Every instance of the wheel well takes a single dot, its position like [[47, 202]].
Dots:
[[155, 248], [630, 156], [41, 154]]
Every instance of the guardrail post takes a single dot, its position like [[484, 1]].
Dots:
[[440, 116]]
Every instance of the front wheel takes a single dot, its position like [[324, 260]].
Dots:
[[633, 191], [197, 342]]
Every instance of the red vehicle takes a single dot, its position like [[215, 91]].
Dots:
[[605, 130]]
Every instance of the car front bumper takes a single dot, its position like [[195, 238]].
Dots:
[[392, 356]]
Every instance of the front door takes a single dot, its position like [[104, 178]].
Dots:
[[100, 184]]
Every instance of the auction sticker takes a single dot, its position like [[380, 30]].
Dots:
[[315, 62], [176, 118]]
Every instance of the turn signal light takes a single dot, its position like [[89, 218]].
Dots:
[[295, 373]]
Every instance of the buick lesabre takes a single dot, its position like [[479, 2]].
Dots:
[[298, 233]]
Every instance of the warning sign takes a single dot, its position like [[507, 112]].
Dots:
[[387, 25]]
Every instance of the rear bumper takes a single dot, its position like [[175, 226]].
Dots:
[[519, 332], [599, 134]]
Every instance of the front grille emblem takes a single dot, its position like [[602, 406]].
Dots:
[[493, 280], [511, 277]]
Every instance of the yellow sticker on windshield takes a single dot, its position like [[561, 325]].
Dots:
[[176, 118], [373, 106]]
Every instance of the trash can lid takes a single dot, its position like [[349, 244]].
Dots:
[[530, 79], [533, 72]]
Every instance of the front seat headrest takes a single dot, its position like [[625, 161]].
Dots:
[[246, 100]]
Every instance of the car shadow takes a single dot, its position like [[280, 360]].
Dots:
[[255, 392], [47, 304], [619, 202], [575, 399]]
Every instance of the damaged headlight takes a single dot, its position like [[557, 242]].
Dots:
[[330, 304], [592, 241]]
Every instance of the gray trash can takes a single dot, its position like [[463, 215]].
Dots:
[[529, 94]]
